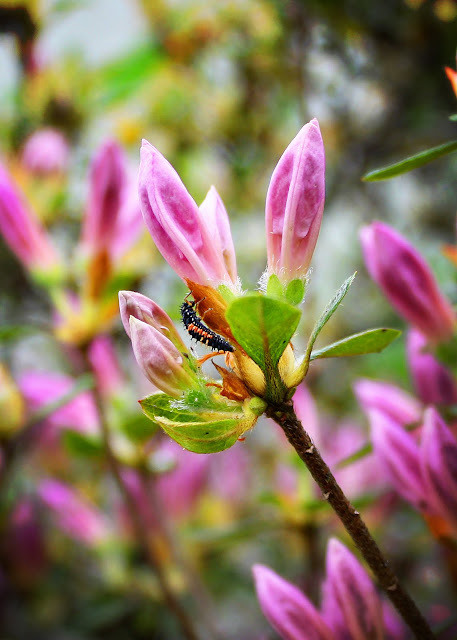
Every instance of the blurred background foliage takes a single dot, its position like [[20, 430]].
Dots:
[[220, 89]]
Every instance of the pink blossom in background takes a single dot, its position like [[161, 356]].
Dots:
[[129, 223], [434, 383], [107, 184], [46, 151], [75, 516], [182, 232], [295, 203], [231, 474], [351, 608], [105, 365], [388, 398], [80, 413], [24, 542], [407, 281], [21, 231]]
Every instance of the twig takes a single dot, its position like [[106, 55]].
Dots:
[[332, 492]]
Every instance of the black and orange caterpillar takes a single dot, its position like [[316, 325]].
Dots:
[[198, 330]]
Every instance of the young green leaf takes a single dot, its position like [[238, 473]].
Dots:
[[295, 291], [413, 162], [274, 286], [82, 444], [263, 326], [371, 341], [201, 429]]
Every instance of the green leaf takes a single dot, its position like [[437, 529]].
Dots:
[[295, 291], [371, 341], [274, 286], [82, 444], [10, 332], [199, 428], [453, 117], [328, 312], [263, 326], [138, 428], [413, 162]]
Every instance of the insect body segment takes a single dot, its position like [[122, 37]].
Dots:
[[198, 330]]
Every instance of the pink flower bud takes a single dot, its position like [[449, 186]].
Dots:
[[140, 307], [22, 231], [439, 464], [407, 282], [434, 383], [176, 225], [77, 517], [46, 151], [107, 184], [292, 615], [399, 405], [398, 454], [159, 359], [295, 203], [351, 607], [105, 364], [216, 219]]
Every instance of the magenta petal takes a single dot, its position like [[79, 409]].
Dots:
[[401, 406], [434, 383], [46, 151], [21, 230], [351, 606], [108, 181], [407, 281], [175, 223], [398, 454], [105, 364], [439, 463], [295, 203], [286, 608]]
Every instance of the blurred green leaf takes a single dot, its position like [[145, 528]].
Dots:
[[413, 162], [138, 428], [120, 79], [82, 444], [453, 118], [371, 341], [9, 333]]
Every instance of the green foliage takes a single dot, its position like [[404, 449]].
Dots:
[[138, 428], [295, 291], [83, 445], [263, 326], [371, 341], [199, 422], [413, 162]]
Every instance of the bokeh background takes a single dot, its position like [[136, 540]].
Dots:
[[220, 88]]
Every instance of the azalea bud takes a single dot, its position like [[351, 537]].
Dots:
[[290, 612], [159, 359], [439, 464], [398, 454], [176, 225], [351, 607], [140, 307], [22, 231], [407, 282], [46, 151], [434, 383], [75, 516], [399, 405], [295, 203], [107, 183]]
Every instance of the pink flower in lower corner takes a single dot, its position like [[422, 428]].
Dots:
[[407, 281], [195, 242], [351, 608], [22, 231], [46, 151], [75, 516], [295, 203]]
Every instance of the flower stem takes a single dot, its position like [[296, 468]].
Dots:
[[284, 415]]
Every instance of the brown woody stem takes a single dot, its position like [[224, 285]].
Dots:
[[285, 416]]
